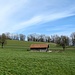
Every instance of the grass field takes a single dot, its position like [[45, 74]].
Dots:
[[16, 60]]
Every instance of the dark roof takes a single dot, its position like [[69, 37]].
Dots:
[[39, 46]]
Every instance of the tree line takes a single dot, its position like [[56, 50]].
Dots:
[[53, 38], [9, 36], [62, 40]]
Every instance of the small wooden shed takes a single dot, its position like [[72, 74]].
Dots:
[[39, 47]]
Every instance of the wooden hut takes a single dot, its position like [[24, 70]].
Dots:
[[39, 47]]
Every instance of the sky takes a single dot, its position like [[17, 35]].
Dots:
[[49, 17]]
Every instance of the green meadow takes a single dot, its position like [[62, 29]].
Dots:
[[15, 59]]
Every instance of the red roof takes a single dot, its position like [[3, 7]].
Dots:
[[39, 46]]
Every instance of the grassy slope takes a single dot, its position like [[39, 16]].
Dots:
[[15, 60], [21, 44]]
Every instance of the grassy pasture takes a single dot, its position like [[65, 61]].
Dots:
[[16, 60]]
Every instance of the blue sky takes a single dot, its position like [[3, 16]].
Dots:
[[47, 17]]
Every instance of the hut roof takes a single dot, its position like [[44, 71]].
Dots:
[[39, 46]]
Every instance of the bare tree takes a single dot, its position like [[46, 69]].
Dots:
[[47, 38], [73, 38], [22, 37], [30, 37], [38, 38], [7, 35], [52, 38], [41, 38], [15, 37]]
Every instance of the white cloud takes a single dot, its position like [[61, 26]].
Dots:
[[8, 8], [27, 23], [41, 19], [34, 12]]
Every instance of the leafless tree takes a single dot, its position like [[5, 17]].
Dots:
[[22, 37], [73, 38]]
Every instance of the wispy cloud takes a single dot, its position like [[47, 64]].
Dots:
[[41, 19], [7, 9], [19, 14]]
